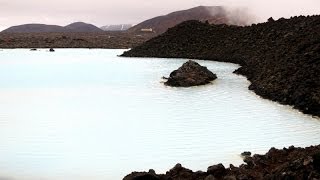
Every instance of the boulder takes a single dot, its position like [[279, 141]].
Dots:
[[190, 74], [246, 153], [141, 176], [217, 170], [210, 177]]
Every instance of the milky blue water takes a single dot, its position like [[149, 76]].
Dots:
[[88, 114]]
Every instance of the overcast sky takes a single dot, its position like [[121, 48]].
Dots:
[[103, 12]]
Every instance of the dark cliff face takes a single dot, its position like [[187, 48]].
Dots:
[[281, 58]]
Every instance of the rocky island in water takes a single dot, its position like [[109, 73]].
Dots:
[[190, 74]]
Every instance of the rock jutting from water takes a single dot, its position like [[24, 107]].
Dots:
[[287, 163], [190, 74], [280, 58]]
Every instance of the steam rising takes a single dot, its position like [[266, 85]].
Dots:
[[231, 15], [240, 16]]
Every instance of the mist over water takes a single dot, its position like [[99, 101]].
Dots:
[[88, 114]]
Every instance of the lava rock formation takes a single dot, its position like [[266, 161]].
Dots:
[[190, 74], [287, 163]]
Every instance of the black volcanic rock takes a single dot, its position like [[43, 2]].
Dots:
[[190, 74], [246, 154], [286, 163], [141, 176], [107, 40], [280, 58], [217, 170]]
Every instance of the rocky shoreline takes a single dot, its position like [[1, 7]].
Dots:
[[277, 164], [280, 58], [107, 40]]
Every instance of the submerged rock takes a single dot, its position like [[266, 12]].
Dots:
[[190, 74]]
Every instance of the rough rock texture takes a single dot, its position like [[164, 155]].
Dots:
[[151, 175], [110, 40], [281, 58], [190, 74], [286, 164]]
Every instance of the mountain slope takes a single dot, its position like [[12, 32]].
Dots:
[[212, 14], [37, 28], [34, 28], [82, 27]]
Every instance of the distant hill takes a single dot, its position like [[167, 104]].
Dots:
[[34, 28], [74, 27], [212, 14], [120, 27], [82, 27]]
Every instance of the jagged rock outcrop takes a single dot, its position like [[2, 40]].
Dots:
[[190, 74], [151, 175], [280, 58], [287, 163]]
